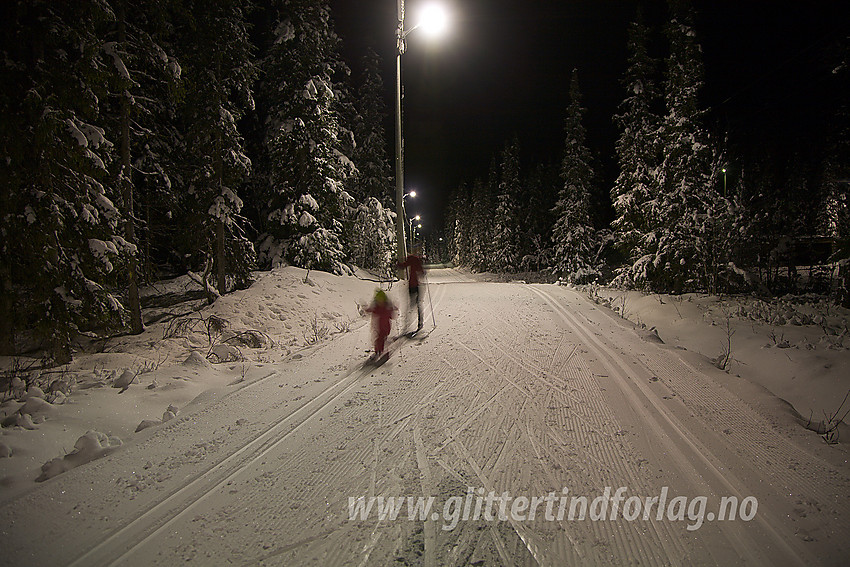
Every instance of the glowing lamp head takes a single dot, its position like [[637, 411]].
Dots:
[[433, 19]]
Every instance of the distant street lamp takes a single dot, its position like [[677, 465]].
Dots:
[[416, 218], [432, 21], [412, 195], [724, 182]]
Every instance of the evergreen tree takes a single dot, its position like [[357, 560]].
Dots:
[[835, 219], [374, 177], [142, 81], [574, 239], [158, 157], [374, 249], [638, 153], [219, 79], [506, 221], [481, 212], [537, 221], [306, 199], [460, 221], [61, 239], [370, 236], [683, 216]]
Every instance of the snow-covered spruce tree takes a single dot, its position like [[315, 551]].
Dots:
[[537, 220], [575, 246], [143, 81], [835, 220], [306, 199], [370, 233], [374, 175], [60, 239], [480, 225], [375, 245], [683, 216], [638, 154], [150, 99], [219, 73], [773, 219], [460, 222], [506, 221]]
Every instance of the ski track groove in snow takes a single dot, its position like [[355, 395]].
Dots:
[[175, 506], [592, 425], [732, 411], [521, 389]]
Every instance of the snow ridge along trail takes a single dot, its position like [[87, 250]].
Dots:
[[520, 389]]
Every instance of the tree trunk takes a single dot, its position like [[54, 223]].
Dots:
[[125, 179], [7, 327], [221, 272]]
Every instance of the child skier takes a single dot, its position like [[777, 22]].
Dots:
[[382, 310]]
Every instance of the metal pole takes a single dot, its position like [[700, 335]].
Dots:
[[399, 143]]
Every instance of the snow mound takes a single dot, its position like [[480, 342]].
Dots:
[[146, 423], [93, 445], [36, 406], [127, 377], [195, 359]]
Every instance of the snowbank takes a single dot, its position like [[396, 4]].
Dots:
[[798, 348], [115, 390]]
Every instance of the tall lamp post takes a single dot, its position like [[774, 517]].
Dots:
[[416, 218], [433, 20]]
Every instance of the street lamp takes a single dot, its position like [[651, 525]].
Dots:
[[416, 218], [432, 21], [724, 182]]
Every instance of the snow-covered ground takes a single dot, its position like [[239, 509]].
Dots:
[[259, 426], [191, 350], [796, 347]]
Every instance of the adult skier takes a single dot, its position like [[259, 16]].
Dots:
[[415, 271]]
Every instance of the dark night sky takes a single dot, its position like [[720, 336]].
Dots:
[[504, 68]]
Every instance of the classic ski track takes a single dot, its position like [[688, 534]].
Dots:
[[526, 536], [620, 369], [341, 469], [426, 480], [490, 358], [609, 459], [724, 410], [180, 502]]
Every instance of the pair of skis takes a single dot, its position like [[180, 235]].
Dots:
[[377, 360]]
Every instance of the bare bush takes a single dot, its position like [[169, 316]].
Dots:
[[316, 331], [251, 339], [725, 357], [828, 427], [180, 327], [343, 325]]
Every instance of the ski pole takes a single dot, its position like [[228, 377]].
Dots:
[[430, 303]]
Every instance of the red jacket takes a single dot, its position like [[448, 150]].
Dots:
[[413, 263], [383, 312]]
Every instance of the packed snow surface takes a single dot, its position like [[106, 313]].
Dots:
[[248, 431]]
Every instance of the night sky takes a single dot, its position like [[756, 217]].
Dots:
[[503, 69]]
